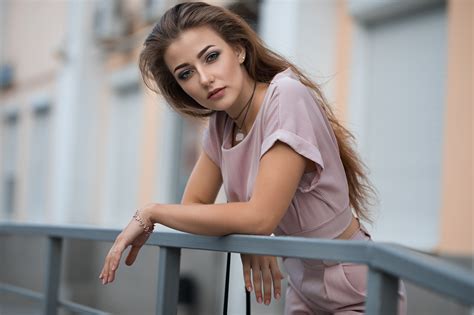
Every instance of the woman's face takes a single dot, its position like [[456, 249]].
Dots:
[[208, 69]]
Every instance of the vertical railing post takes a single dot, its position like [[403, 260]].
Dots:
[[53, 270], [382, 293], [168, 281]]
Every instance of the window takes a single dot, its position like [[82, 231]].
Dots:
[[9, 164], [38, 163]]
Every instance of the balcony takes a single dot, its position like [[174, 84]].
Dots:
[[387, 264]]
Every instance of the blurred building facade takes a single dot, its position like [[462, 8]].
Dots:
[[83, 141]]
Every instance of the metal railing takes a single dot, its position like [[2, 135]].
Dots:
[[387, 263]]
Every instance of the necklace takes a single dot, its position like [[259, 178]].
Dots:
[[239, 136], [240, 114]]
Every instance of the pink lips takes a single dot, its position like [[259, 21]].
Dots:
[[217, 93]]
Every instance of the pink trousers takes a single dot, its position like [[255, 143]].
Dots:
[[325, 287]]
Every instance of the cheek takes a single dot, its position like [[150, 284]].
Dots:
[[192, 91], [234, 64], [188, 88]]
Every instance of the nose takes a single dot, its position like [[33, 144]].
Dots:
[[205, 77]]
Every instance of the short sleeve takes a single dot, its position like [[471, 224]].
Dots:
[[211, 141], [292, 116]]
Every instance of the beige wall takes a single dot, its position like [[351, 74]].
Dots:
[[457, 220], [151, 146], [33, 40], [31, 45], [343, 45], [457, 224]]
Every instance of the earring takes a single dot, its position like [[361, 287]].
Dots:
[[242, 59]]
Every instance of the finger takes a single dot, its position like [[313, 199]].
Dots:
[[277, 277], [112, 267], [105, 270], [117, 255], [101, 274], [246, 270], [114, 261], [132, 255], [136, 246], [110, 276], [256, 275], [267, 284]]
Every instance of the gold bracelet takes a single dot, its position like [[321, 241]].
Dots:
[[148, 229]]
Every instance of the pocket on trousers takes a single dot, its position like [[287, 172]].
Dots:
[[356, 276], [344, 284]]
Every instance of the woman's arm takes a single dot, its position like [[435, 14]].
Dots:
[[278, 176], [204, 182]]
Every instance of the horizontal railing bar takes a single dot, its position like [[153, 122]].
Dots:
[[353, 251], [81, 309], [22, 291], [298, 247], [90, 233], [424, 270], [407, 264]]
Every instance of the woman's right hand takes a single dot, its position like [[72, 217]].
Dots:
[[133, 235], [264, 271]]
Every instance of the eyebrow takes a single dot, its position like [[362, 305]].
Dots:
[[198, 56]]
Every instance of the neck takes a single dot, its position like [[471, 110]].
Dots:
[[248, 106], [241, 101], [257, 101], [245, 114]]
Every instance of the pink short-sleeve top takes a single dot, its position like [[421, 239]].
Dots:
[[291, 114]]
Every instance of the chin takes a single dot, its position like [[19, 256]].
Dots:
[[223, 105], [221, 108]]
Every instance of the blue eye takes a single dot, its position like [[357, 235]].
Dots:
[[184, 75], [212, 56]]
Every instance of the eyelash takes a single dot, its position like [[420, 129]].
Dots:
[[182, 75], [214, 53]]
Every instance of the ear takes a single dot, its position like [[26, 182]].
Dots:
[[240, 53]]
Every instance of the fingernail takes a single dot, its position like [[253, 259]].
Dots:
[[249, 288], [259, 300], [277, 296], [103, 281], [267, 302], [113, 267]]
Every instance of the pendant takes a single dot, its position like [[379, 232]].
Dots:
[[239, 136]]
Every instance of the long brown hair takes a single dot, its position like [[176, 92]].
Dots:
[[261, 63]]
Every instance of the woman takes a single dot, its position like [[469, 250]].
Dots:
[[286, 163]]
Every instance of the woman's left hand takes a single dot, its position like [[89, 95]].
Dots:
[[133, 235], [264, 272]]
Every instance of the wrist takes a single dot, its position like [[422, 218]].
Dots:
[[148, 213], [142, 216]]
